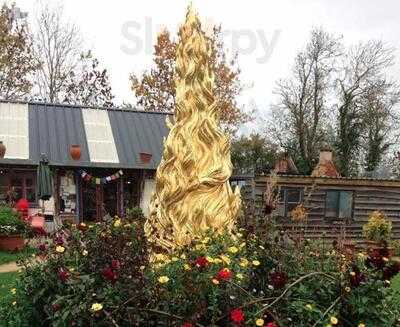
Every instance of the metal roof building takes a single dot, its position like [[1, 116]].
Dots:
[[109, 138]]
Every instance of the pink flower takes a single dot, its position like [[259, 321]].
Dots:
[[271, 324]]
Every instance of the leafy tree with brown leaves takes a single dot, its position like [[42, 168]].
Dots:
[[88, 85], [155, 89], [16, 59]]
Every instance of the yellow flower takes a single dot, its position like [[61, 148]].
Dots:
[[85, 253], [309, 306], [352, 273], [174, 259], [217, 260], [233, 249], [186, 267], [225, 258], [14, 303], [210, 259], [255, 263], [183, 256], [60, 249], [117, 223], [161, 257], [127, 225], [244, 262], [361, 255], [242, 245], [13, 291], [205, 240], [260, 322], [361, 325], [163, 279], [334, 320], [215, 281], [200, 247], [239, 276], [97, 307]]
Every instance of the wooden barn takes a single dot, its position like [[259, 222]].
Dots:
[[335, 205]]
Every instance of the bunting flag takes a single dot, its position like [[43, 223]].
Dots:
[[100, 180]]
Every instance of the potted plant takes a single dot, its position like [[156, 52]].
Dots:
[[377, 231], [12, 229]]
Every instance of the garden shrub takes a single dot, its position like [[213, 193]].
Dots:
[[10, 222], [100, 276]]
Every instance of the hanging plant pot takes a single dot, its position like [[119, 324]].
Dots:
[[75, 151], [2, 150], [145, 157], [12, 242]]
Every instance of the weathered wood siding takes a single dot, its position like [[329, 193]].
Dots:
[[368, 195]]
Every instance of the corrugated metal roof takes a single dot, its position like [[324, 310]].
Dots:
[[54, 128], [136, 132]]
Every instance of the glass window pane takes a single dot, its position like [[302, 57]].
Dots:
[[29, 182], [17, 193], [16, 181], [281, 198], [3, 180], [3, 193], [331, 205], [31, 195], [345, 204], [293, 196]]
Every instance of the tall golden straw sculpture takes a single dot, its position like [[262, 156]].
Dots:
[[192, 191]]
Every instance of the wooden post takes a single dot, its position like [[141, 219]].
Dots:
[[99, 202]]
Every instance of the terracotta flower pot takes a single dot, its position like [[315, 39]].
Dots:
[[145, 157], [2, 150], [12, 242], [75, 151]]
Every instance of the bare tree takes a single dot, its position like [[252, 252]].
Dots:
[[57, 47], [362, 75], [302, 106]]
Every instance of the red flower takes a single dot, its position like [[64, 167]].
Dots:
[[224, 274], [278, 279], [63, 274], [109, 274], [115, 264], [271, 324], [237, 315], [187, 324], [201, 262], [56, 307]]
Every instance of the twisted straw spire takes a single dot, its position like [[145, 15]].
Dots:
[[192, 191]]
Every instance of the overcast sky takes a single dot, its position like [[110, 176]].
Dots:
[[267, 34]]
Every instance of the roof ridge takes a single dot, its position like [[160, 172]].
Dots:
[[66, 105]]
